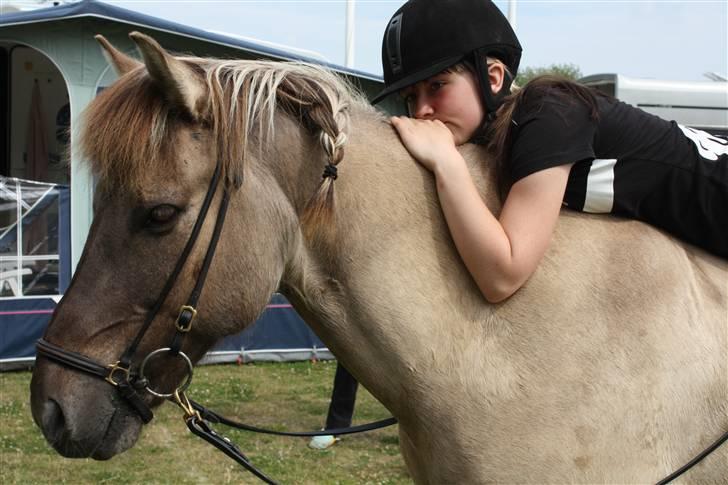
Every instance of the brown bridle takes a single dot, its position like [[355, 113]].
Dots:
[[119, 374]]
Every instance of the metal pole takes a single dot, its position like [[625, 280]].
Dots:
[[349, 55], [512, 13]]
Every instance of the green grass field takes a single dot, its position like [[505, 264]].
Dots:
[[287, 397]]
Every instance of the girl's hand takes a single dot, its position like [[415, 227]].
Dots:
[[430, 142]]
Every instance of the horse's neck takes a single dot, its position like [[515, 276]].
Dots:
[[391, 296]]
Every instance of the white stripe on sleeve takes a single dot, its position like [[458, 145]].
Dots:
[[600, 186]]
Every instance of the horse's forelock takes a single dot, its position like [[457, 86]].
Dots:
[[130, 128], [128, 132]]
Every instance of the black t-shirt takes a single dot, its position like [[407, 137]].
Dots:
[[628, 162]]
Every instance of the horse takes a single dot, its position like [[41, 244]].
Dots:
[[609, 365]]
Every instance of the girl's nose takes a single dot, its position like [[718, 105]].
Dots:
[[422, 109]]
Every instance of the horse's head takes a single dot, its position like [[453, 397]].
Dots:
[[154, 140]]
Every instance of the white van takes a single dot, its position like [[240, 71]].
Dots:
[[698, 104]]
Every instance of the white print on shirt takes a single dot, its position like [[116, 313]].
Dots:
[[600, 186], [709, 146]]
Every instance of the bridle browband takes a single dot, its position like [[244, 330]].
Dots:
[[127, 382]]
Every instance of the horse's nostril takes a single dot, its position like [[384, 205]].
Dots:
[[54, 423]]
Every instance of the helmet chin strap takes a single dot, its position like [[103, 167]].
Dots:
[[491, 102]]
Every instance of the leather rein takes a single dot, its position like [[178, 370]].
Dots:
[[196, 416]]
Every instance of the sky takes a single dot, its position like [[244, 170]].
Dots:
[[662, 39]]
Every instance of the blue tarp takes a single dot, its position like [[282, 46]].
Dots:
[[22, 322], [278, 335]]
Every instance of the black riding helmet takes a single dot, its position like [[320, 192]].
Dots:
[[425, 37]]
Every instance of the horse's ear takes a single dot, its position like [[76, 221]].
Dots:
[[180, 83], [121, 62]]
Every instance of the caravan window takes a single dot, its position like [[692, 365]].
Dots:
[[34, 238]]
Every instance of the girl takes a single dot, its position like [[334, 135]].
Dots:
[[556, 142]]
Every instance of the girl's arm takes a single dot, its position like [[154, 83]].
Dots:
[[500, 254]]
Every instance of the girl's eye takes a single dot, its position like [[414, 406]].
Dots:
[[162, 214], [435, 85]]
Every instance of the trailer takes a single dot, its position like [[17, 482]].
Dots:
[[698, 104]]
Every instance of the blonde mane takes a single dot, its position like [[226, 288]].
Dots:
[[129, 128]]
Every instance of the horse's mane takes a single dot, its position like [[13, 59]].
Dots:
[[129, 128]]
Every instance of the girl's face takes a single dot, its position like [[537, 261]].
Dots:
[[451, 97]]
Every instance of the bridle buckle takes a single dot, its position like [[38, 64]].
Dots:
[[113, 369], [187, 315]]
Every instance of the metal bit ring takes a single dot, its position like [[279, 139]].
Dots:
[[181, 388]]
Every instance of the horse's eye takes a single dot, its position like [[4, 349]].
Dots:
[[162, 214]]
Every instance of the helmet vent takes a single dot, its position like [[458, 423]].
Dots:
[[394, 30]]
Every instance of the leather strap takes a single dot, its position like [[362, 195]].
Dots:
[[135, 400], [126, 357], [194, 297], [127, 387], [213, 417], [84, 364], [71, 359], [199, 428], [710, 449]]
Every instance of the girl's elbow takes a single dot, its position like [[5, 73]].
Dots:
[[496, 293], [499, 283]]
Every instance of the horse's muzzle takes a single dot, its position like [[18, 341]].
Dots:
[[94, 423]]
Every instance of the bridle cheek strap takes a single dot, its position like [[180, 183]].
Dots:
[[119, 374], [128, 354]]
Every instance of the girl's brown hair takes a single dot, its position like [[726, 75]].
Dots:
[[499, 135]]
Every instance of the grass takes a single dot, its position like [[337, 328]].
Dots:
[[290, 397]]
